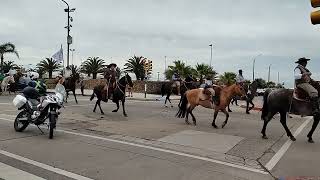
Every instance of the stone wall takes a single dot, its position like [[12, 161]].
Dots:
[[153, 87]]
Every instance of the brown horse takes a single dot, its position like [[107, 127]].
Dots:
[[189, 102], [226, 95]]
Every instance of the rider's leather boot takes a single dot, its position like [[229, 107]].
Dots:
[[315, 105]]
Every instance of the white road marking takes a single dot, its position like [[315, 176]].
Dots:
[[44, 166], [276, 158], [161, 150], [11, 173]]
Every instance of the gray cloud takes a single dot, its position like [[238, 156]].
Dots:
[[179, 29]]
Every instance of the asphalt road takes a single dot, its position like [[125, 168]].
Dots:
[[153, 144]]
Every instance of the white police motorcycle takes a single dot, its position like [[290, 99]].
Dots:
[[36, 109]]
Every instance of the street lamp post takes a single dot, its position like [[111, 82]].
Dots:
[[254, 62], [69, 38], [210, 55], [269, 72], [158, 76], [72, 50]]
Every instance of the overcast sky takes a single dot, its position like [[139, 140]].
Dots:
[[115, 30]]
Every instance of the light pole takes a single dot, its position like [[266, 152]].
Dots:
[[278, 77], [165, 63], [269, 72], [69, 38], [158, 76], [210, 55], [254, 62], [72, 50]]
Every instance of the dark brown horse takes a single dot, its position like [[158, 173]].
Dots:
[[282, 101], [118, 94], [70, 84]]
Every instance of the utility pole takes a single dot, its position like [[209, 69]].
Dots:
[[269, 73], [254, 62], [211, 56], [72, 50], [69, 38]]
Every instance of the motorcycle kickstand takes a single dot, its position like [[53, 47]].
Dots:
[[40, 129]]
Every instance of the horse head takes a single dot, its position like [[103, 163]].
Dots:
[[239, 90], [128, 80]]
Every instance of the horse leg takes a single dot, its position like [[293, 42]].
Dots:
[[95, 106], [227, 117], [67, 96], [316, 120], [193, 118], [187, 114], [116, 110], [283, 120], [75, 97], [165, 102], [214, 118], [99, 104], [124, 111], [265, 123], [229, 110], [247, 107], [170, 103]]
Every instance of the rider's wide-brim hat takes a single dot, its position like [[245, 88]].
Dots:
[[303, 59], [112, 64]]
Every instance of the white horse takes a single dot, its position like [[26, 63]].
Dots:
[[5, 82]]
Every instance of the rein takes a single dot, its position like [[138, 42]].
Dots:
[[124, 86]]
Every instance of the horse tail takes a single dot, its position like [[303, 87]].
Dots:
[[265, 108], [182, 107], [163, 89]]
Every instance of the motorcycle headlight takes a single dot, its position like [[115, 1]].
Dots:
[[60, 98]]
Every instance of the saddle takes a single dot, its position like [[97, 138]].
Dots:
[[300, 95]]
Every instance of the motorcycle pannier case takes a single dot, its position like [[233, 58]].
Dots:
[[19, 101]]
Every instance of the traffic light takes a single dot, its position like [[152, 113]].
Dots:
[[315, 16], [150, 66], [145, 65]]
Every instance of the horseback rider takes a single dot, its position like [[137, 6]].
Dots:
[[110, 76], [303, 81], [39, 85], [240, 79], [176, 81]]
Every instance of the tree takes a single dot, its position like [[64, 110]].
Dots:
[[136, 65], [279, 85], [8, 65], [7, 48], [204, 70], [228, 78], [93, 65], [261, 83], [271, 84], [180, 68], [48, 65], [75, 71]]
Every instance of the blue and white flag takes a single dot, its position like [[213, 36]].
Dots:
[[58, 56]]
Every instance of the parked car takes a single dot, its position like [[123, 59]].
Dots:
[[260, 92]]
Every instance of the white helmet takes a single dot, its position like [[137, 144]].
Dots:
[[34, 75]]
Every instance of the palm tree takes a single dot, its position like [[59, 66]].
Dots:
[[49, 65], [7, 48], [205, 70], [8, 65], [135, 65], [228, 78], [180, 68], [93, 65]]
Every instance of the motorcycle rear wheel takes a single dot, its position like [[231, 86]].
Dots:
[[18, 125]]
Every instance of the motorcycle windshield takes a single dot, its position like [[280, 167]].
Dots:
[[60, 90]]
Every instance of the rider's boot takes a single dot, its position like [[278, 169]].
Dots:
[[315, 105]]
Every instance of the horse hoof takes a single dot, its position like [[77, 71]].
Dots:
[[102, 113], [171, 106], [293, 138], [248, 112], [223, 125], [194, 123], [187, 122], [166, 106], [264, 137], [310, 140], [229, 111], [215, 126], [125, 115], [114, 111]]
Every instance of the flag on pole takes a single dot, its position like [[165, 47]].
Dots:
[[58, 56]]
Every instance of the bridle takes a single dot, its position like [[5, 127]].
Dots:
[[124, 86]]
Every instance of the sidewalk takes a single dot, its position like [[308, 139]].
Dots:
[[136, 96]]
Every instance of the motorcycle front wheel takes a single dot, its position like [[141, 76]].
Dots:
[[52, 124], [20, 125]]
